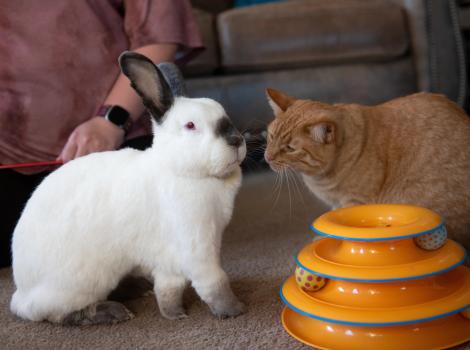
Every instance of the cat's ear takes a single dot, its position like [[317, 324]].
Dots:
[[148, 81], [322, 132], [278, 101]]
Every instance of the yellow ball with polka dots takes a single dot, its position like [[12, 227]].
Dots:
[[308, 281], [433, 240]]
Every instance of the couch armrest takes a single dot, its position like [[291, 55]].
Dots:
[[437, 46]]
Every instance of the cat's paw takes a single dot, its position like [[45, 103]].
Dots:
[[233, 309]]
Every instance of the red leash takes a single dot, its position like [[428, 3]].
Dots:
[[30, 165]]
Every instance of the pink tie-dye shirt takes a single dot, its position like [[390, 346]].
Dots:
[[58, 60]]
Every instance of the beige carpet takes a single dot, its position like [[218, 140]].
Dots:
[[258, 254]]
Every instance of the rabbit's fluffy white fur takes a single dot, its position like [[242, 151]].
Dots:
[[161, 211]]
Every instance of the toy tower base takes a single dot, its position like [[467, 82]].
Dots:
[[384, 277]]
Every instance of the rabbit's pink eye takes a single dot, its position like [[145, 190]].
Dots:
[[190, 126]]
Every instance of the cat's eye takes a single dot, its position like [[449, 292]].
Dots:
[[289, 148], [190, 126]]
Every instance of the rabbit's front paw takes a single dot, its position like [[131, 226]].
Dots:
[[173, 313], [231, 309]]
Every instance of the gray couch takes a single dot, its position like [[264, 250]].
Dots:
[[333, 51]]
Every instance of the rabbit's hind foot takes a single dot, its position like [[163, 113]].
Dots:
[[102, 312]]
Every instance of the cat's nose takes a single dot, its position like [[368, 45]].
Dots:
[[268, 156]]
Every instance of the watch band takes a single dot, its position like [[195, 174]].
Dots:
[[103, 110], [123, 120]]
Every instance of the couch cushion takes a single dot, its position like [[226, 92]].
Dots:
[[306, 32], [243, 95], [207, 61]]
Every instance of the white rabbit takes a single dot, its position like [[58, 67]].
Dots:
[[161, 211]]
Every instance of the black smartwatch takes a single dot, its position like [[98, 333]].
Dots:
[[116, 115]]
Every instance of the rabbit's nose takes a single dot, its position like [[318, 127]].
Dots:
[[235, 140]]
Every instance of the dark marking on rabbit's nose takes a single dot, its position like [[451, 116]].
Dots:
[[234, 140], [226, 130]]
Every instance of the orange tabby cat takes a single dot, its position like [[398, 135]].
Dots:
[[413, 150]]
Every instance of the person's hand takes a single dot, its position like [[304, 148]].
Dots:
[[94, 135]]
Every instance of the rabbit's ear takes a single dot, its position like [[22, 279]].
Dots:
[[149, 82], [173, 77]]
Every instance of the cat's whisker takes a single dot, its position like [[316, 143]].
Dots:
[[250, 163], [296, 184], [278, 188], [257, 151], [275, 185], [250, 157], [276, 182], [284, 171], [258, 148]]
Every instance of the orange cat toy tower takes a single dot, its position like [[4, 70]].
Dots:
[[383, 277]]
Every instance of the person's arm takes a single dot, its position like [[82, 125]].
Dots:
[[98, 134]]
